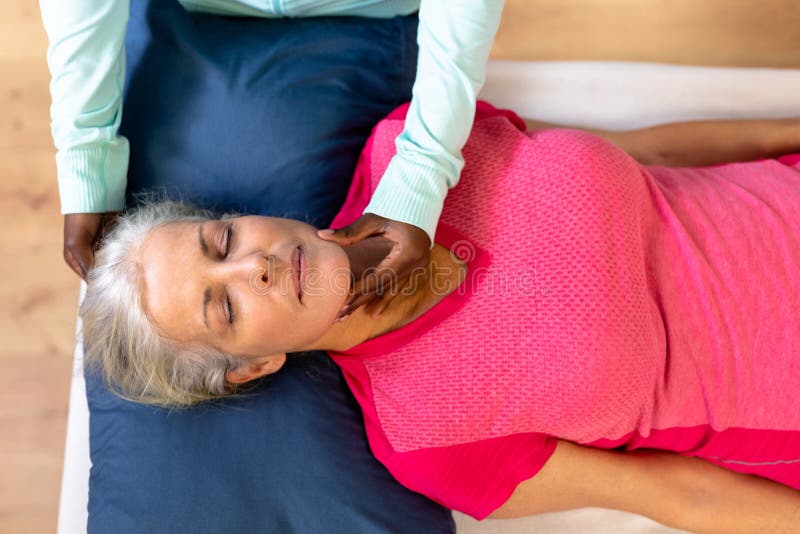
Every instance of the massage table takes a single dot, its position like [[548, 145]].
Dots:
[[612, 95]]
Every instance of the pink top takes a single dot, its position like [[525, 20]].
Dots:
[[606, 303]]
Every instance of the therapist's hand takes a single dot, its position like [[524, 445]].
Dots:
[[82, 232], [410, 250]]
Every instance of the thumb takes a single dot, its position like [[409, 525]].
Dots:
[[352, 233], [77, 261]]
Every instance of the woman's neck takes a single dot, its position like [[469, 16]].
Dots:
[[443, 274]]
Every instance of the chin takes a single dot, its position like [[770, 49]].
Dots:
[[328, 276]]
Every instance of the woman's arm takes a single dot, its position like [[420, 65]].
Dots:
[[679, 492], [455, 37], [86, 56], [697, 143]]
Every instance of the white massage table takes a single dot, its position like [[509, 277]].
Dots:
[[614, 95]]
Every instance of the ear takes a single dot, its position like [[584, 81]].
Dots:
[[255, 368]]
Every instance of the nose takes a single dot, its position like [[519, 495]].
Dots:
[[252, 268]]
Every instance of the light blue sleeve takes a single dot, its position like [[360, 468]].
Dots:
[[86, 57], [455, 38]]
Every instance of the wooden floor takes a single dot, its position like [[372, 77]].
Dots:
[[39, 294]]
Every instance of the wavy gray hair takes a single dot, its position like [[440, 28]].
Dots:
[[120, 341]]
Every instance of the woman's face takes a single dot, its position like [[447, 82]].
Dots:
[[233, 284]]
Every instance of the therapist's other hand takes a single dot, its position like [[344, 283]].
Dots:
[[82, 232], [410, 250]]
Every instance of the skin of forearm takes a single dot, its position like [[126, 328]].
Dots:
[[695, 495], [701, 143], [726, 502], [678, 491]]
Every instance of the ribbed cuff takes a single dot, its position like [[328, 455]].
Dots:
[[411, 193], [93, 179], [212, 7]]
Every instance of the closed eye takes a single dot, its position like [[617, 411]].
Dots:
[[231, 315], [228, 237]]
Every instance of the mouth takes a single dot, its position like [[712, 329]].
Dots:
[[298, 271]]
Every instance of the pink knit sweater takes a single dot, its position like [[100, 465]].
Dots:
[[607, 303]]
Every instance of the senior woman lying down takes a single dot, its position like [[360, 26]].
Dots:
[[598, 325]]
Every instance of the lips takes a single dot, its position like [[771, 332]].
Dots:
[[302, 274], [298, 268]]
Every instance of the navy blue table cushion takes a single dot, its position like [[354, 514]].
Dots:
[[261, 116]]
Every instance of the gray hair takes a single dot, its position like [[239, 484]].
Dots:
[[120, 340]]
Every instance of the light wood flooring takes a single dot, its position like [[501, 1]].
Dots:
[[39, 294]]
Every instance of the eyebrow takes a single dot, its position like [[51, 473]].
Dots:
[[206, 300], [207, 293]]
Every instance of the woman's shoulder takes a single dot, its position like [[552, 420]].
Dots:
[[483, 110]]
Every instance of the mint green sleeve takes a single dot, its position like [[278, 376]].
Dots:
[[455, 38], [86, 57]]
